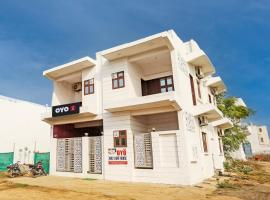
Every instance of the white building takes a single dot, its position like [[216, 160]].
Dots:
[[259, 139], [22, 131], [144, 111]]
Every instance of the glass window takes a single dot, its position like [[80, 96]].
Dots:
[[162, 82], [169, 81], [121, 82], [204, 139], [170, 89], [120, 140], [118, 80], [166, 84], [89, 86]]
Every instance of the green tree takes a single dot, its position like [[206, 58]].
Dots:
[[236, 135]]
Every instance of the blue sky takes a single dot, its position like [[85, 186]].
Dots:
[[37, 35]]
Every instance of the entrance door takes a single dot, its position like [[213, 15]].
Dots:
[[69, 155], [95, 155]]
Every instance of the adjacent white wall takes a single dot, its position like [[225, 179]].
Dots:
[[21, 127]]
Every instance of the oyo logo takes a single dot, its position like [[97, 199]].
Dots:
[[62, 109], [65, 109]]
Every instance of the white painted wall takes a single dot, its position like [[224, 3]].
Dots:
[[22, 127], [254, 138]]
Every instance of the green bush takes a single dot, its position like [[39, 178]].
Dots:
[[225, 184]]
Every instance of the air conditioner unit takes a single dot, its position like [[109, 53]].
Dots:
[[77, 87], [199, 73], [203, 121]]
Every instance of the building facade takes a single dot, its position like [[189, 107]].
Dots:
[[258, 139], [144, 111], [22, 131]]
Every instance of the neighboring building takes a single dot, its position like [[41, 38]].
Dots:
[[22, 130], [144, 111], [258, 139]]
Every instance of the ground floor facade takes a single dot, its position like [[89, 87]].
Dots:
[[169, 148]]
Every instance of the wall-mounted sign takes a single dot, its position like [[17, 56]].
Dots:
[[117, 156], [67, 109]]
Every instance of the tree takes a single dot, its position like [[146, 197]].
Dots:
[[236, 135]]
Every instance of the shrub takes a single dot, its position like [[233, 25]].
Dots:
[[225, 184]]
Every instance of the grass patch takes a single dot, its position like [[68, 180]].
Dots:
[[89, 179], [20, 185], [2, 175], [226, 184]]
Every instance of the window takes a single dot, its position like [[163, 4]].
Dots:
[[260, 129], [166, 84], [120, 138], [204, 139], [209, 98], [118, 80], [261, 139], [220, 145], [192, 90], [199, 89], [89, 86], [219, 132]]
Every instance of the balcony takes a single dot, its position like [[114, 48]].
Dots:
[[216, 84], [224, 123], [68, 113], [211, 112], [197, 57], [150, 104]]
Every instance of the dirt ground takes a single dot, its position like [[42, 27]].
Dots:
[[62, 188]]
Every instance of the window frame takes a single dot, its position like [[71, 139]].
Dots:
[[118, 78], [120, 137], [166, 86], [199, 89], [220, 143], [193, 94], [204, 140], [210, 98], [88, 84]]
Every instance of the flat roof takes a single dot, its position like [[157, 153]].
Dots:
[[68, 68], [139, 46]]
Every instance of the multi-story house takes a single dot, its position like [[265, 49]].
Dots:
[[258, 139], [144, 111]]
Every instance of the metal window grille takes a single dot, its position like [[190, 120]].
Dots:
[[95, 155], [143, 150]]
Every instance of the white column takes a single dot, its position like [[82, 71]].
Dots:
[[85, 155], [53, 155]]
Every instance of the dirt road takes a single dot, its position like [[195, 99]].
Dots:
[[61, 188]]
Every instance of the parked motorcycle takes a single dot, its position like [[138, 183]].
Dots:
[[14, 170], [37, 170]]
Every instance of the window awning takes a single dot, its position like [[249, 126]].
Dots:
[[217, 84], [224, 123], [211, 112], [146, 44], [68, 68]]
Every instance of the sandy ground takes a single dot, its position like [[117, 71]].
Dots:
[[62, 188]]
